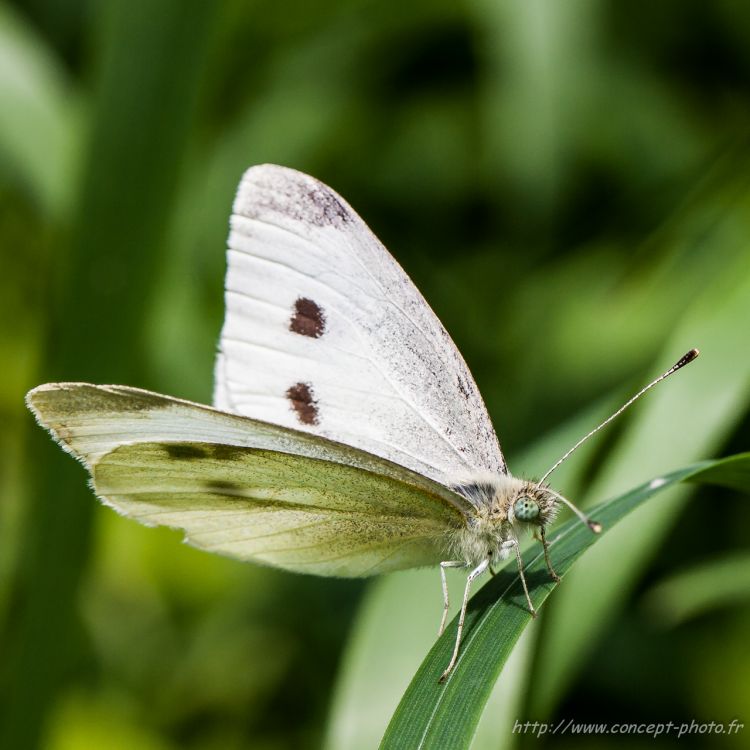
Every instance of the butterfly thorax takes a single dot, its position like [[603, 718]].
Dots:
[[504, 507]]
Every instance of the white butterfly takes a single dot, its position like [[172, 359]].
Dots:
[[348, 436]]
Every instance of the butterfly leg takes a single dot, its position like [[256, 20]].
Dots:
[[446, 603], [545, 545], [514, 543], [474, 574]]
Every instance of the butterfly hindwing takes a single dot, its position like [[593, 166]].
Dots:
[[324, 332], [293, 512]]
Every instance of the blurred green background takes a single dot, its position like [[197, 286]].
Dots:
[[568, 183]]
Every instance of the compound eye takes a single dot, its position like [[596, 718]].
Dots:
[[526, 509]]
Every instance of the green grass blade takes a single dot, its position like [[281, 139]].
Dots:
[[733, 472], [143, 117], [711, 584], [432, 715], [384, 652], [40, 116], [684, 421]]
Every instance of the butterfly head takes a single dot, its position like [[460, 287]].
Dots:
[[531, 506]]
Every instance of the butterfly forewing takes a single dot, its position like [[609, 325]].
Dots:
[[249, 489], [324, 332]]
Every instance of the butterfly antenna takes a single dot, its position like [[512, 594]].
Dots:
[[593, 525]]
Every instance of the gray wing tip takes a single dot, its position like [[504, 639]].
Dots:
[[29, 400], [273, 194], [48, 420], [38, 393], [49, 387], [32, 397], [278, 180], [259, 171]]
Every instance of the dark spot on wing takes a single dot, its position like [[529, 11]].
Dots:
[[220, 485], [185, 451], [308, 318], [227, 452], [303, 402]]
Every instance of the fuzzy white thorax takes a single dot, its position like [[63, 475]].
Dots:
[[493, 523]]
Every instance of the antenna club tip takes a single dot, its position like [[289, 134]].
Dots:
[[689, 357], [595, 526]]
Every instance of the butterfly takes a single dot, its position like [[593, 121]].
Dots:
[[347, 437]]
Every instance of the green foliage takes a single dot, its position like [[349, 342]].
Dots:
[[435, 715], [565, 182], [720, 582]]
